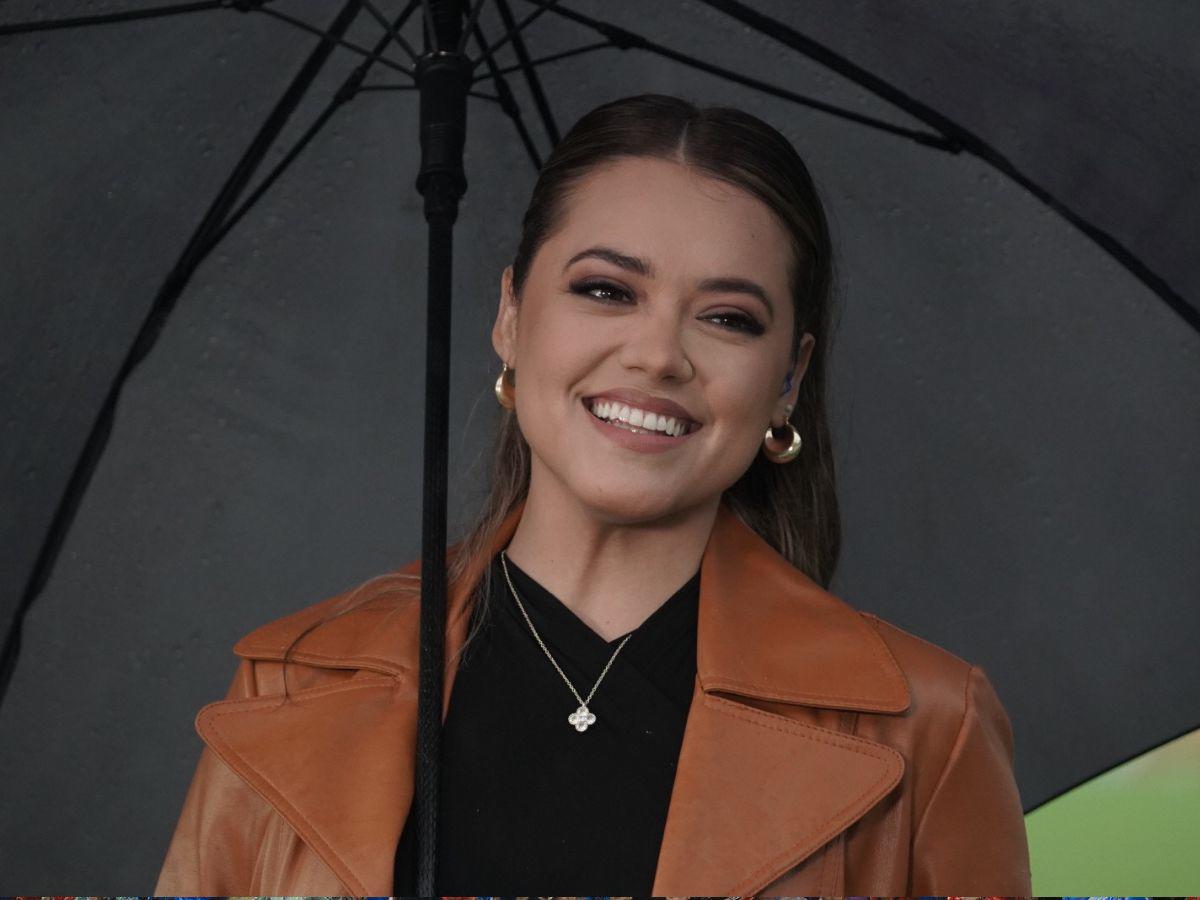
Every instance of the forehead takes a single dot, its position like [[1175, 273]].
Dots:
[[685, 222]]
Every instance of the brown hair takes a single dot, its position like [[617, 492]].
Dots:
[[792, 506]]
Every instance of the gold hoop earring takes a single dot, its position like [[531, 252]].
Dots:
[[504, 393], [784, 456]]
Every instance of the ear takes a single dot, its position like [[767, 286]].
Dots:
[[788, 394], [504, 331]]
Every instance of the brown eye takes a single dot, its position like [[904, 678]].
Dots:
[[585, 289], [741, 322], [733, 321]]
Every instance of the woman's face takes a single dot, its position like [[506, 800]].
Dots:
[[616, 300]]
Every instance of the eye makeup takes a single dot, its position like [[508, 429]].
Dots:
[[742, 322]]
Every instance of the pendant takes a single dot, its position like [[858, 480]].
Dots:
[[581, 718]]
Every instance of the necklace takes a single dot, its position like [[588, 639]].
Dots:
[[582, 717]]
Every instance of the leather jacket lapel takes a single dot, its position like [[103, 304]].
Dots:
[[337, 761], [755, 791], [330, 760]]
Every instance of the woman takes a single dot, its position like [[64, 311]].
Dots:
[[649, 689]]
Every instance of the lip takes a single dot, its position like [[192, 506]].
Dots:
[[630, 440], [656, 405]]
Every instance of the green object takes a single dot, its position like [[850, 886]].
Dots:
[[1134, 830]]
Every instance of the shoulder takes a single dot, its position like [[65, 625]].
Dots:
[[947, 692], [351, 629], [929, 668], [959, 783]]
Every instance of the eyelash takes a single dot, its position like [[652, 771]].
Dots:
[[749, 325]]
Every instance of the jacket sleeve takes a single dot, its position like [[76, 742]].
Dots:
[[207, 852], [970, 839]]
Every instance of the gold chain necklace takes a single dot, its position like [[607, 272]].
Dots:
[[582, 717]]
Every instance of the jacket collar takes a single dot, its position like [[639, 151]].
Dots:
[[766, 634]]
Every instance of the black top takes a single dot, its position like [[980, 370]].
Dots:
[[530, 806]]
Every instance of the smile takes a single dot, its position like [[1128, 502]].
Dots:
[[638, 437], [639, 421]]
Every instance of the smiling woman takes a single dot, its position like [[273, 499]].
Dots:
[[650, 689], [667, 289]]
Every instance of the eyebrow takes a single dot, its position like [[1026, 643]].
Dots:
[[642, 267]]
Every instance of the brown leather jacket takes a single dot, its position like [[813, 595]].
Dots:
[[826, 752]]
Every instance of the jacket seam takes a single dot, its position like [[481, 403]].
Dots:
[[954, 745], [788, 696], [825, 857], [916, 637], [328, 661], [274, 700], [798, 729]]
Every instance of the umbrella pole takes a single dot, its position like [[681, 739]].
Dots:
[[443, 79]]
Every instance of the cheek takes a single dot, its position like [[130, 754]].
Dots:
[[741, 395], [556, 341], [738, 425], [542, 357], [742, 432]]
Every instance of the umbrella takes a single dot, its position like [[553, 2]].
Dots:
[[942, 107]]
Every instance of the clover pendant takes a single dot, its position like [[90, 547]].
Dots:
[[581, 718]]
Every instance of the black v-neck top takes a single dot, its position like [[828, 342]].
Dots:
[[529, 805]]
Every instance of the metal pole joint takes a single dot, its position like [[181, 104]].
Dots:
[[443, 79]]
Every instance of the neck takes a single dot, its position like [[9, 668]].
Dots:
[[611, 571]]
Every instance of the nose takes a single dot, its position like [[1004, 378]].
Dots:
[[654, 344]]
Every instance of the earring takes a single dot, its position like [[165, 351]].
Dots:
[[504, 393], [793, 450]]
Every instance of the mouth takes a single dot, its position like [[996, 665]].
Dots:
[[624, 416]]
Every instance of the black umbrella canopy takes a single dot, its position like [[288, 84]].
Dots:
[[1013, 374]]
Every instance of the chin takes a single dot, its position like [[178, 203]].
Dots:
[[633, 507]]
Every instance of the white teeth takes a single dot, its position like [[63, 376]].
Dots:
[[638, 418]]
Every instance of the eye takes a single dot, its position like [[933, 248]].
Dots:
[[742, 322], [585, 288], [738, 321]]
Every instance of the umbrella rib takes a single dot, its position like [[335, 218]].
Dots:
[[148, 333], [152, 12], [964, 138], [627, 40], [337, 39], [553, 57], [275, 174], [392, 31], [507, 102], [531, 76], [807, 46], [348, 89], [507, 36], [469, 27]]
